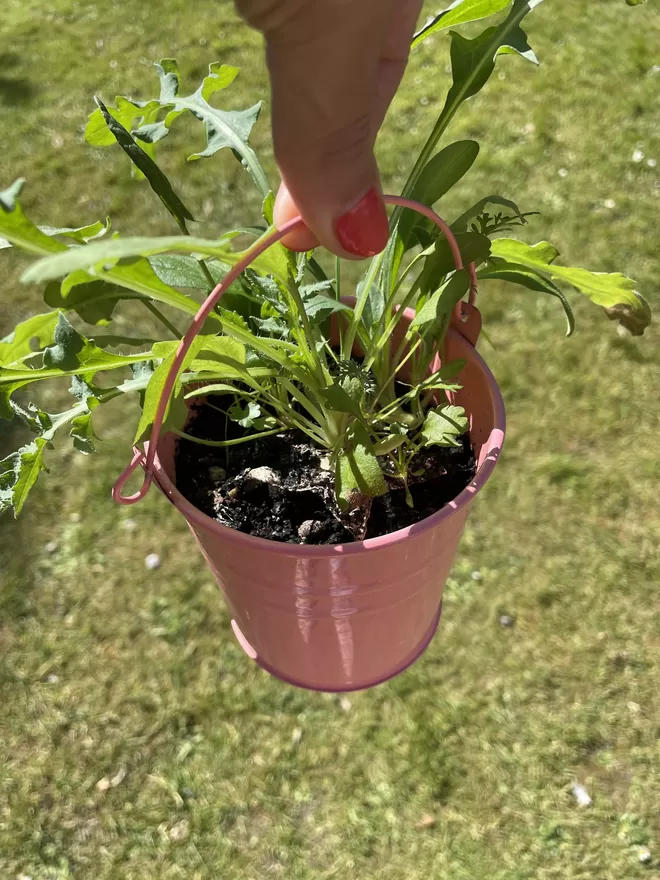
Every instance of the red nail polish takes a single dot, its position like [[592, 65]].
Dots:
[[364, 230]]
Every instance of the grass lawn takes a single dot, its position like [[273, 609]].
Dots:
[[136, 740]]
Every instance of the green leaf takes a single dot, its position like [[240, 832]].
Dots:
[[501, 270], [250, 415], [444, 425], [94, 301], [268, 207], [358, 469], [223, 128], [80, 235], [157, 180], [439, 175], [18, 230], [222, 356], [473, 61], [71, 355], [460, 12], [34, 418], [64, 354], [461, 224], [98, 255], [220, 76], [320, 307], [390, 443], [442, 302], [614, 292], [82, 432], [439, 262], [39, 329], [374, 306], [18, 474], [9, 197], [344, 400]]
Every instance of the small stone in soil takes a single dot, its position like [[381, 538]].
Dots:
[[152, 561], [306, 529], [217, 473], [264, 475], [507, 621]]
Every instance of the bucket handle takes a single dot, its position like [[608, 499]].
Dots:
[[463, 313]]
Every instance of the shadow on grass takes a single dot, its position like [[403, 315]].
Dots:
[[14, 90]]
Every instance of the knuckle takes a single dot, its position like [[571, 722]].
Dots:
[[271, 16], [328, 147]]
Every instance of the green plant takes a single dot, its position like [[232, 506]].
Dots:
[[268, 342]]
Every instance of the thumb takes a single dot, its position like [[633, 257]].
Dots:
[[324, 64]]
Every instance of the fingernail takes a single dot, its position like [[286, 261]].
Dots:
[[364, 230]]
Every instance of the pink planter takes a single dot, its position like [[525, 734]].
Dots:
[[350, 616]]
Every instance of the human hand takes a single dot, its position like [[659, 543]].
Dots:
[[335, 66]]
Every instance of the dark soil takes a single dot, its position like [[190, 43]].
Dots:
[[276, 487]]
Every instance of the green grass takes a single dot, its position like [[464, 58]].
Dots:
[[137, 740]]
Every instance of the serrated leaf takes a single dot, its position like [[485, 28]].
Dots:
[[70, 355], [250, 415], [320, 307], [444, 425], [460, 12], [82, 432], [34, 418], [157, 179], [473, 61], [18, 474], [39, 329], [272, 327], [614, 292], [223, 128], [501, 270], [461, 224], [220, 76]]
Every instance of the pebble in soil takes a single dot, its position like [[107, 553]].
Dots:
[[278, 488]]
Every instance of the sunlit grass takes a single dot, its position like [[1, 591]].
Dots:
[[137, 739]]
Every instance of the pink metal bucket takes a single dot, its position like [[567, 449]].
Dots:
[[350, 616]]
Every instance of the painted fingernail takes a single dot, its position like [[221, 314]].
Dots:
[[364, 230]]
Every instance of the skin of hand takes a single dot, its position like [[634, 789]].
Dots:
[[334, 66]]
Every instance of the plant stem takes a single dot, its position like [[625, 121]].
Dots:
[[349, 339], [161, 317], [235, 442]]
